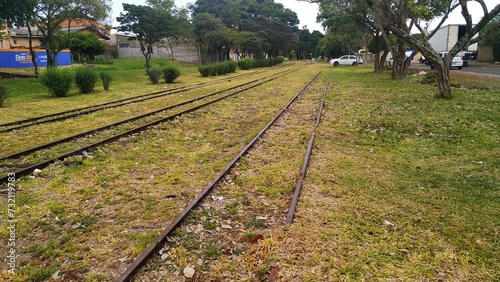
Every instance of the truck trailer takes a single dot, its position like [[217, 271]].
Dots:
[[447, 36]]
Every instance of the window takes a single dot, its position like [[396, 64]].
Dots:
[[15, 41], [124, 45]]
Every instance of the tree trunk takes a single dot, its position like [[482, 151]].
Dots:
[[399, 67], [443, 82], [32, 51]]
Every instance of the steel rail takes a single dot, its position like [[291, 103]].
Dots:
[[303, 170], [132, 269], [43, 164], [111, 104], [95, 130]]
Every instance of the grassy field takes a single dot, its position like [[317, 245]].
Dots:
[[386, 151], [28, 98]]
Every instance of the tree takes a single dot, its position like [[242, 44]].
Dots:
[[87, 45], [265, 20], [20, 13], [149, 25], [353, 24], [492, 37], [386, 12], [399, 17], [211, 36], [308, 43], [49, 14]]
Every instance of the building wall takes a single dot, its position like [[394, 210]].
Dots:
[[485, 54], [20, 42], [184, 53]]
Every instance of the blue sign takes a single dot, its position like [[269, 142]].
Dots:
[[22, 59]]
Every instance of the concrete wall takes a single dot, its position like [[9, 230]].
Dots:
[[184, 53], [485, 54]]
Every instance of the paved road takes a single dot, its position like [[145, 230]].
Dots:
[[477, 69]]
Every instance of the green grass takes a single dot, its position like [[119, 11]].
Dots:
[[385, 150], [28, 98], [390, 150]]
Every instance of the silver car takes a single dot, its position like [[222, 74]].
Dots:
[[349, 60]]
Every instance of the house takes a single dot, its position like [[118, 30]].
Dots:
[[18, 38], [14, 48]]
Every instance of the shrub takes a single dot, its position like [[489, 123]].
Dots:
[[215, 69], [170, 73], [280, 59], [221, 69], [85, 80], [205, 70], [57, 81], [263, 63], [154, 75], [3, 95], [231, 66], [246, 64], [106, 80]]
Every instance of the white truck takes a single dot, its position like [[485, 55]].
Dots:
[[446, 37]]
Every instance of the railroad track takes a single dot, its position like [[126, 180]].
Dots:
[[59, 116], [141, 260], [25, 169]]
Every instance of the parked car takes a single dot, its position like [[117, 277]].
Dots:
[[468, 56], [350, 60], [457, 61]]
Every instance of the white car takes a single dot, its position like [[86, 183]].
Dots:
[[457, 61], [349, 60]]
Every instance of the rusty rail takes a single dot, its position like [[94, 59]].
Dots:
[[303, 171]]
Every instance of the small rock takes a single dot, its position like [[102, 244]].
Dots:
[[421, 73], [404, 251], [442, 274], [37, 171], [460, 274], [480, 162], [189, 272], [164, 256], [226, 226], [56, 276], [200, 262], [123, 259], [388, 223], [76, 225]]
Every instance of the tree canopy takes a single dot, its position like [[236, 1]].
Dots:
[[150, 25]]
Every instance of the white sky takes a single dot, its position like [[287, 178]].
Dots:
[[307, 12]]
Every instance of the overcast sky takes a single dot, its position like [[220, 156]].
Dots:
[[307, 12]]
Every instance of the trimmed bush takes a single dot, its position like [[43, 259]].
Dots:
[[106, 80], [246, 64], [85, 80], [221, 68], [280, 59], [170, 73], [231, 66], [205, 70], [154, 75], [215, 69], [57, 81], [3, 95]]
